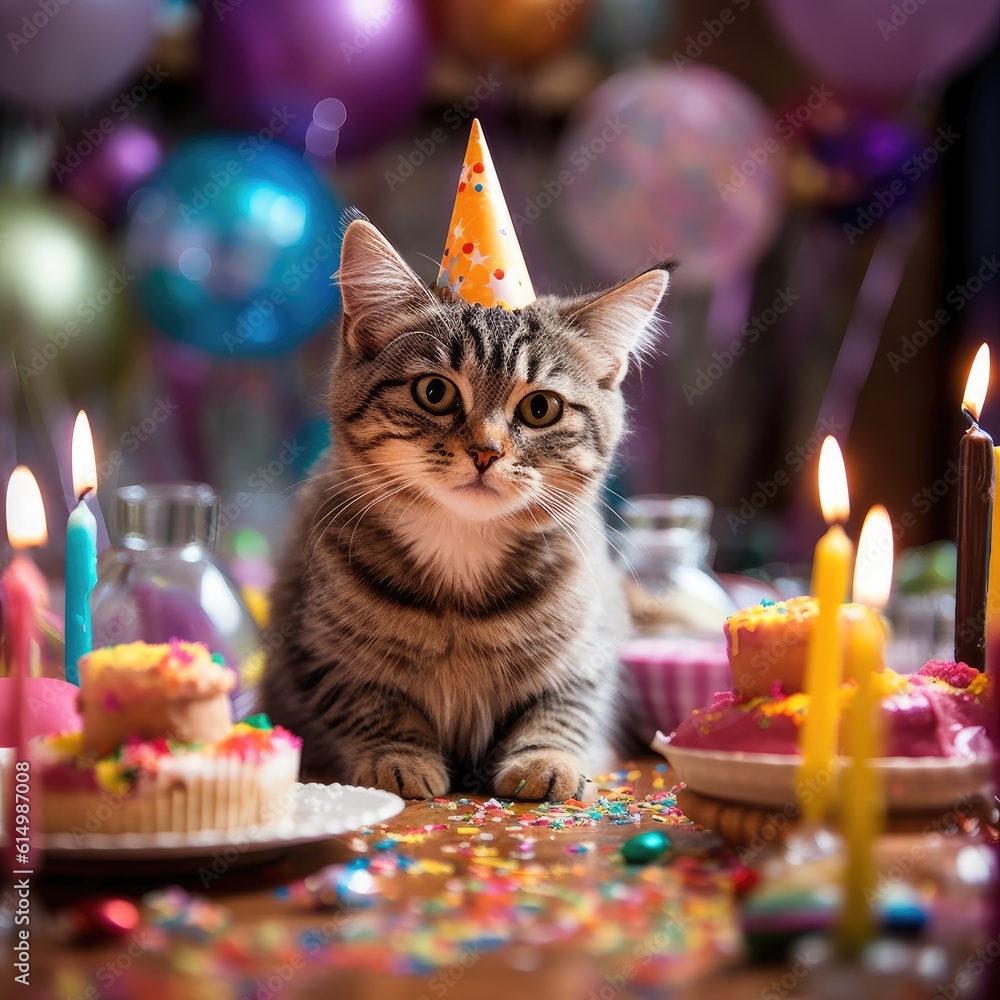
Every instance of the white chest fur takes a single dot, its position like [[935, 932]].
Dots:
[[458, 554]]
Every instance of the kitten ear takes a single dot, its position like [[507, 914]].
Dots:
[[378, 288], [622, 321]]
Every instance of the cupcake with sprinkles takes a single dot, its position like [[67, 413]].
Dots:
[[158, 751], [767, 643]]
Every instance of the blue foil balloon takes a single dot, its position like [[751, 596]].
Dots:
[[233, 243]]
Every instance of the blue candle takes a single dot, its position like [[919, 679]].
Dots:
[[81, 551]]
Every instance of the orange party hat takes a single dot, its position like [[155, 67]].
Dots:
[[482, 259]]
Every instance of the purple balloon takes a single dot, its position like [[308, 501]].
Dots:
[[102, 178], [664, 162], [885, 45], [68, 53], [273, 66]]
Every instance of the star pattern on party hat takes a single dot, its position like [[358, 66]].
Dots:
[[482, 261]]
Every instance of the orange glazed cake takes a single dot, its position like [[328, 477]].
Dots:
[[158, 752]]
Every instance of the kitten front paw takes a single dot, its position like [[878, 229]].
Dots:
[[408, 774], [540, 775]]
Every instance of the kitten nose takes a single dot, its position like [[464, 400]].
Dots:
[[484, 455]]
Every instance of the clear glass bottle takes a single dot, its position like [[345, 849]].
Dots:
[[159, 580], [670, 552]]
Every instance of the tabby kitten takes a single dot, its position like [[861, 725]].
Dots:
[[454, 610]]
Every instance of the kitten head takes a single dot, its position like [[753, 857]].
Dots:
[[488, 413]]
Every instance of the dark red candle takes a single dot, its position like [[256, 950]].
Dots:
[[975, 508]]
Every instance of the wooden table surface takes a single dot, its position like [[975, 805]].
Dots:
[[491, 916]]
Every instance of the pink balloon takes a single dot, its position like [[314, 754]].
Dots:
[[63, 54], [661, 162], [275, 65], [884, 45], [50, 707]]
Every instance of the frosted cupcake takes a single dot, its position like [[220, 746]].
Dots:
[[767, 643]]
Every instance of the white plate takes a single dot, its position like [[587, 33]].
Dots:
[[318, 811], [769, 779]]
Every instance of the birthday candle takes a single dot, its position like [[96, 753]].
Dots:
[[25, 527], [824, 657], [975, 507], [81, 550], [862, 805]]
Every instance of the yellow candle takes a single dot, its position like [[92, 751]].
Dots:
[[993, 588], [862, 811], [824, 657]]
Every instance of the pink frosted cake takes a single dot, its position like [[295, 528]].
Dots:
[[158, 751], [941, 711]]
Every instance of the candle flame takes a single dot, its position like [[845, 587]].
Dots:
[[833, 496], [873, 569], [25, 510], [84, 460], [978, 382]]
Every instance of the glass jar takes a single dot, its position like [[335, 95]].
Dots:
[[669, 550], [159, 581]]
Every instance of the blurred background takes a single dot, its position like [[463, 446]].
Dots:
[[172, 178]]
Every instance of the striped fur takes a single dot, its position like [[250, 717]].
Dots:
[[449, 628]]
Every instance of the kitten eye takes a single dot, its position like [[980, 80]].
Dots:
[[436, 395], [540, 409]]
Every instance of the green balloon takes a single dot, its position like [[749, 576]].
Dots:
[[62, 295]]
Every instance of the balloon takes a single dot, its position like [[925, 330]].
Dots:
[[664, 162], [521, 32], [103, 177], [276, 64], [233, 243], [848, 153], [61, 295], [887, 45], [620, 30], [68, 53]]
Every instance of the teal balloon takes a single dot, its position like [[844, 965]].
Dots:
[[233, 243]]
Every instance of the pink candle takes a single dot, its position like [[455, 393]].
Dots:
[[25, 527]]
